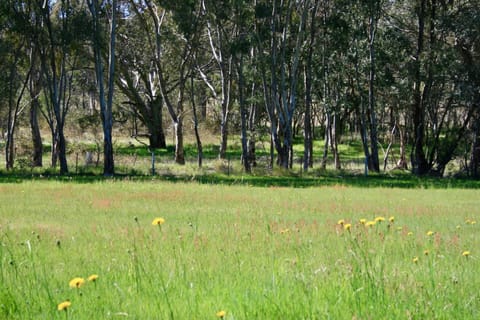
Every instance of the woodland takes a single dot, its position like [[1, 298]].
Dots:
[[400, 77]]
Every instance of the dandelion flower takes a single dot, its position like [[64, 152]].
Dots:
[[391, 219], [341, 222], [347, 226], [93, 277], [76, 282], [64, 305], [158, 221], [410, 233], [363, 221], [473, 222], [379, 219], [284, 231], [415, 260], [370, 223], [465, 253], [221, 314], [430, 233]]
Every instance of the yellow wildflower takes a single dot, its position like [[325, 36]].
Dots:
[[415, 260], [430, 233], [425, 252], [473, 222], [64, 305], [347, 226], [93, 277], [221, 314], [158, 221], [379, 219], [465, 253], [363, 221], [370, 223], [341, 222], [391, 219], [76, 282], [284, 231]]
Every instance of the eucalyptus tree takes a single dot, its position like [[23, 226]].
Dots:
[[464, 20], [15, 70], [106, 102], [137, 73], [439, 115], [308, 66], [35, 89], [334, 72], [240, 49], [221, 32], [175, 29], [58, 36], [279, 40]]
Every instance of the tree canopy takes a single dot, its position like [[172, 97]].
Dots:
[[401, 74]]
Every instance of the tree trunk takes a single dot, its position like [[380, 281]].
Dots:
[[375, 165], [334, 142], [475, 149], [155, 126], [105, 106], [251, 128], [307, 123], [179, 153], [243, 114], [307, 130], [156, 138], [195, 123], [226, 75], [328, 129], [402, 161], [62, 152], [418, 158], [37, 156]]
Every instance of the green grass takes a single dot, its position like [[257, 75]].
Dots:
[[254, 252]]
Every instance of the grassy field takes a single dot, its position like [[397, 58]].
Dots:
[[237, 251]]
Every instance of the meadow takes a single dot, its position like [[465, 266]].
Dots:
[[187, 250]]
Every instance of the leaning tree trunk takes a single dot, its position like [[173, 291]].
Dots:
[[195, 123], [226, 75]]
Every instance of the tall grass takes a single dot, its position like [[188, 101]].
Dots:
[[255, 253]]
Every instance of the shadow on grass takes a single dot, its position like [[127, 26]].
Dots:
[[287, 179]]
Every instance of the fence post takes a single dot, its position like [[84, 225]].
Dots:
[[153, 162]]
